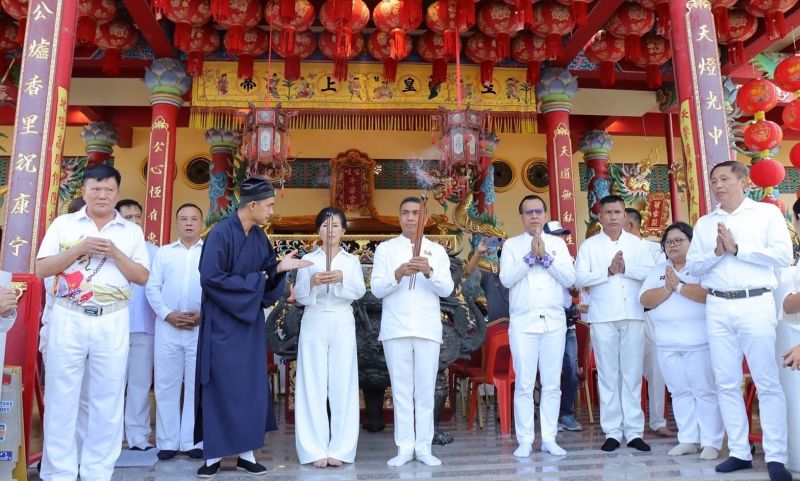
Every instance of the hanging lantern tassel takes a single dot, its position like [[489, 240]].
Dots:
[[194, 64], [183, 32], [288, 38], [410, 12], [439, 73], [449, 39], [736, 52], [84, 34], [23, 22], [342, 11], [722, 21], [340, 68], [344, 39], [235, 41], [465, 14], [487, 71], [397, 45], [776, 25], [662, 10], [608, 75], [291, 68], [552, 45], [533, 73], [220, 9], [653, 76], [389, 70], [112, 58], [286, 11], [245, 69], [633, 47], [525, 13], [503, 45], [580, 11]]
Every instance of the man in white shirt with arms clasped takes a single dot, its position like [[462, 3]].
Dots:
[[536, 267], [736, 251], [411, 330], [613, 264]]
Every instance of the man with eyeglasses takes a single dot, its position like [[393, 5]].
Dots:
[[736, 251], [613, 264], [536, 267]]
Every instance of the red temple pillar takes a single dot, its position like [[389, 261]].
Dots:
[[99, 139], [555, 91], [39, 124], [167, 81], [704, 131], [674, 196], [595, 146], [224, 144]]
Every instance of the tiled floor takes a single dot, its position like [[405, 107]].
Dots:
[[473, 456]]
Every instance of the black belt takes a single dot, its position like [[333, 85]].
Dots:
[[739, 294]]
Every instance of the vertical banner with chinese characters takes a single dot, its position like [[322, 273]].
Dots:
[[694, 183], [697, 73], [160, 169], [44, 80]]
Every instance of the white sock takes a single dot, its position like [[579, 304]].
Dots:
[[429, 460], [212, 461], [399, 460], [523, 451], [709, 453], [248, 456], [553, 448], [683, 448]]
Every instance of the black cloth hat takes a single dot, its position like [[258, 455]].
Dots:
[[254, 189]]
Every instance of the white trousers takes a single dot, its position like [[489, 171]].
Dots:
[[747, 326], [327, 370], [788, 337], [175, 361], [413, 363], [694, 397], [140, 378], [619, 352], [656, 387], [78, 343], [532, 352]]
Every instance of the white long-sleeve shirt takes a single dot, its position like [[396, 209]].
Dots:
[[174, 283], [143, 317], [405, 312], [536, 296], [789, 283], [764, 246], [341, 295], [614, 298]]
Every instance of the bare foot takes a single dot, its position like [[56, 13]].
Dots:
[[321, 463], [334, 462]]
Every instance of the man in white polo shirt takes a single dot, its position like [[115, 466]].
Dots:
[[736, 250], [613, 264], [95, 255], [174, 292]]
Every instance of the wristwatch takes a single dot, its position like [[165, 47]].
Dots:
[[680, 287]]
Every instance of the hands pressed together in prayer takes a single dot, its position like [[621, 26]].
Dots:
[[326, 277], [725, 242], [537, 245], [671, 279], [416, 264], [184, 320], [617, 265], [97, 245]]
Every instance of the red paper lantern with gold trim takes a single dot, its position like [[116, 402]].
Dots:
[[767, 173], [552, 21], [242, 15], [661, 8], [580, 10], [300, 21], [114, 38], [631, 21], [787, 74], [791, 115], [328, 45], [741, 26], [655, 53], [92, 13], [345, 23], [441, 17], [388, 18], [762, 136], [605, 50], [499, 20], [18, 10], [304, 45], [794, 157], [202, 41], [431, 47], [255, 43], [756, 96], [379, 45], [530, 49], [186, 15], [482, 50], [772, 12]]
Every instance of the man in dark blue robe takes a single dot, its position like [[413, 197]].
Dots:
[[240, 276]]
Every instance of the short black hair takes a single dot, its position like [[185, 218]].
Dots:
[[531, 197], [413, 199], [128, 203], [102, 172], [635, 214], [796, 209], [611, 199], [76, 205], [737, 168], [681, 226], [330, 211], [188, 204]]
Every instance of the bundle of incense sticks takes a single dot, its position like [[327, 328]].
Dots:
[[329, 252], [418, 236]]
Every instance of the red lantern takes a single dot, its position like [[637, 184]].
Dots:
[[767, 173], [346, 24], [655, 53], [794, 157], [202, 41], [243, 15], [662, 12], [721, 19], [255, 44], [186, 15], [530, 49], [299, 21], [756, 96], [787, 74], [329, 46], [90, 14], [580, 9], [431, 47], [762, 136], [552, 21], [441, 17], [379, 45], [791, 115], [18, 10], [304, 46], [605, 50], [113, 38], [631, 21], [772, 11], [499, 20], [388, 19], [482, 49], [8, 41], [770, 199], [741, 26]]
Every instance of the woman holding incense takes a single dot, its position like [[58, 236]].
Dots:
[[327, 369]]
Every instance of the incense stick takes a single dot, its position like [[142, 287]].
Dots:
[[328, 246], [418, 235]]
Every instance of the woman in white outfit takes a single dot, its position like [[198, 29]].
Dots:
[[327, 369], [676, 304]]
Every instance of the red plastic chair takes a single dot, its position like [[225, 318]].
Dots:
[[498, 372]]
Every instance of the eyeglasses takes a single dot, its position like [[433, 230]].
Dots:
[[674, 242], [533, 211]]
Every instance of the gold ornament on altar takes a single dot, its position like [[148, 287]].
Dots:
[[266, 144]]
